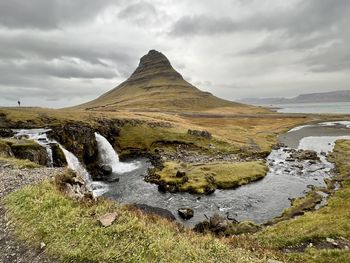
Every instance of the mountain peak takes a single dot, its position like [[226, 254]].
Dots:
[[154, 64]]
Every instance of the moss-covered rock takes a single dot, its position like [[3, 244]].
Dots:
[[30, 150], [5, 149]]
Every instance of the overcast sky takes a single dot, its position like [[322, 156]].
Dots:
[[57, 53]]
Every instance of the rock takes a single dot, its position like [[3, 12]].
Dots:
[[208, 190], [185, 213], [302, 155], [180, 174], [42, 245], [204, 134], [5, 132], [106, 170], [152, 210], [163, 188], [31, 151], [108, 219], [218, 223], [58, 157]]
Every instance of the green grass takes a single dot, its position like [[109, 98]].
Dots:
[[71, 232], [19, 163], [148, 138], [331, 221], [221, 175]]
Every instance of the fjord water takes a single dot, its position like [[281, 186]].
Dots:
[[336, 107]]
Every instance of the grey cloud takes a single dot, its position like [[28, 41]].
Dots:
[[44, 14], [307, 17], [29, 46], [140, 12]]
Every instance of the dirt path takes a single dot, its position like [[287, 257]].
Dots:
[[12, 251]]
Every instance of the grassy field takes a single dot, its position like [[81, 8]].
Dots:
[[72, 233]]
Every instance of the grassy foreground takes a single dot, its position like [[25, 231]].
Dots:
[[72, 233], [331, 221]]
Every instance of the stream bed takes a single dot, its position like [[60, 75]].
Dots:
[[259, 201]]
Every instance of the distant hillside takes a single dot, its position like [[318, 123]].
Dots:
[[156, 85], [333, 96]]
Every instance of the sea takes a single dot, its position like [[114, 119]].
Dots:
[[333, 108]]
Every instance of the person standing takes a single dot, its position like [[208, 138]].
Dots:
[[19, 103]]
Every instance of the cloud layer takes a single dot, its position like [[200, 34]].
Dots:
[[58, 53]]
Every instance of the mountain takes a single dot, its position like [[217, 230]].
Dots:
[[156, 85], [333, 96]]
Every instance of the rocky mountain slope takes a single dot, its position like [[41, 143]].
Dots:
[[156, 85]]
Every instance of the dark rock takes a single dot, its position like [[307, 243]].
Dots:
[[185, 213], [4, 132], [202, 227], [208, 190], [106, 170], [204, 134], [79, 139], [152, 210], [31, 151], [163, 188], [58, 157], [218, 223], [180, 174]]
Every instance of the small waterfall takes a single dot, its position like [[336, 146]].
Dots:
[[97, 188], [75, 165], [40, 137], [108, 156]]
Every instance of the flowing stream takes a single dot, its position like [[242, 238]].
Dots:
[[258, 202]]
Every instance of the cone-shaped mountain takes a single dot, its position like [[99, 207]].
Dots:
[[156, 85]]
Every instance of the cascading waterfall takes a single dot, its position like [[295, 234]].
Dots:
[[97, 188], [40, 137], [108, 156]]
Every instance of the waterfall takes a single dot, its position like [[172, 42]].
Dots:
[[108, 156], [75, 165], [97, 188], [40, 137]]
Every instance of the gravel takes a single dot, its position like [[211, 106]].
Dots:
[[12, 250]]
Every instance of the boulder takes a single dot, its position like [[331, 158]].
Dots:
[[5, 132], [218, 223], [106, 170], [185, 213], [152, 210], [108, 219]]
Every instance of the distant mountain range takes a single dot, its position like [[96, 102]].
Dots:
[[333, 96]]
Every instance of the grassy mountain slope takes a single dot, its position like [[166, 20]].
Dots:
[[156, 85]]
